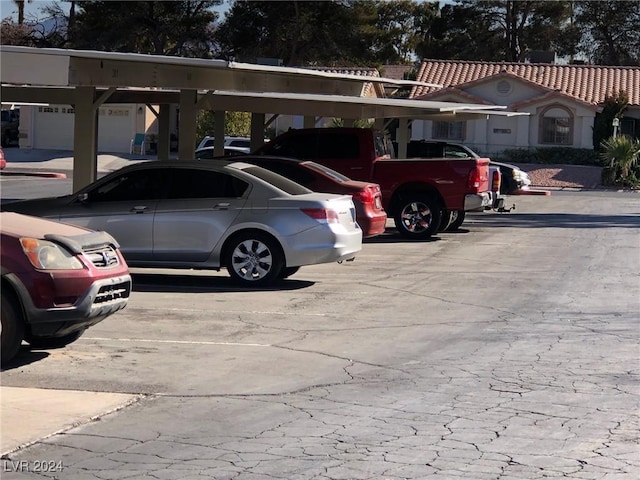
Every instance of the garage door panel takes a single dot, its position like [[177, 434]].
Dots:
[[53, 128]]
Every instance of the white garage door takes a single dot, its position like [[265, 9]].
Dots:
[[53, 128]]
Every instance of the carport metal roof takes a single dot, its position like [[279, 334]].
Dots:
[[69, 68], [87, 79]]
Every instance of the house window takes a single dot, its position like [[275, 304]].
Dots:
[[556, 127], [629, 126], [448, 130]]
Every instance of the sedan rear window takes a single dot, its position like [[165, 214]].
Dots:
[[329, 172], [278, 181]]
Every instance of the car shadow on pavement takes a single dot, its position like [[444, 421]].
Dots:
[[180, 283], [391, 235], [25, 357], [558, 220]]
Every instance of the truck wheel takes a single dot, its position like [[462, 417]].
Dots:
[[46, 343], [254, 259], [418, 217], [453, 219], [12, 330]]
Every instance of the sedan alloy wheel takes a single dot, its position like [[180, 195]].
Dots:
[[254, 259]]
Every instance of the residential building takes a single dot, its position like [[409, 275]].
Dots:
[[562, 102]]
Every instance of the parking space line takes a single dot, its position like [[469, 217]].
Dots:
[[251, 312], [179, 342]]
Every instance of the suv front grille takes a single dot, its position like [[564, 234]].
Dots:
[[103, 257]]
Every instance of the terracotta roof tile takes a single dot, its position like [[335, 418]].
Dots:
[[365, 72], [589, 83]]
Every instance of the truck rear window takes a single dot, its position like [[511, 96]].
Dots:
[[338, 146], [383, 146]]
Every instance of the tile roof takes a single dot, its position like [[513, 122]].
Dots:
[[365, 71], [588, 83]]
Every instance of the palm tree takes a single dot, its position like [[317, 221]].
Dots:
[[20, 4], [621, 153]]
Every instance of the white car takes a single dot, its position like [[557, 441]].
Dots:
[[242, 142], [260, 225], [207, 153]]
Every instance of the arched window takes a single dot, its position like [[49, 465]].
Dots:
[[556, 126]]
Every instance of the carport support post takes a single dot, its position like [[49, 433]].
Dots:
[[187, 132], [402, 137], [164, 132], [257, 130], [309, 122], [219, 121], [85, 138]]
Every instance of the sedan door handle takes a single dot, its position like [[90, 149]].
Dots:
[[221, 206], [138, 209]]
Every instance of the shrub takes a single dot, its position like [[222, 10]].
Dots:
[[620, 156]]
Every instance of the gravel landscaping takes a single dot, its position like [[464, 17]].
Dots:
[[563, 176]]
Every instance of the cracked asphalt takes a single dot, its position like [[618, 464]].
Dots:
[[508, 350]]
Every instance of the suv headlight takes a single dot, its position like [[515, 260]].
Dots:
[[46, 255]]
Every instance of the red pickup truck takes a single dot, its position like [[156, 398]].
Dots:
[[422, 195]]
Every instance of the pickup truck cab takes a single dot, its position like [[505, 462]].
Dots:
[[420, 194]]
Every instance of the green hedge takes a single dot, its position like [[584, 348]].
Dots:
[[550, 156]]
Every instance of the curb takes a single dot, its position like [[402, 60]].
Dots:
[[34, 174], [532, 191]]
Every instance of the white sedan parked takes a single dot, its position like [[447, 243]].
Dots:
[[259, 225]]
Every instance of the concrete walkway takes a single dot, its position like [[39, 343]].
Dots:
[[28, 161], [31, 414]]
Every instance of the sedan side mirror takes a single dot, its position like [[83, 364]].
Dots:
[[83, 197]]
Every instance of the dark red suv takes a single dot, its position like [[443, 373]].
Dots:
[[57, 280]]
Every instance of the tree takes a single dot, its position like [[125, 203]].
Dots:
[[295, 32], [179, 28], [400, 26], [609, 31], [236, 124], [614, 106], [20, 5], [12, 33], [497, 30], [317, 33]]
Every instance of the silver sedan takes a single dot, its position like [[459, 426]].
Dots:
[[259, 225]]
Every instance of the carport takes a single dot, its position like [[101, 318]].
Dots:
[[88, 79]]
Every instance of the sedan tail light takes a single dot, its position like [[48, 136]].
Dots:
[[322, 215], [366, 195]]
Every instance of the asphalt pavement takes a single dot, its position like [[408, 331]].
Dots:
[[508, 350]]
